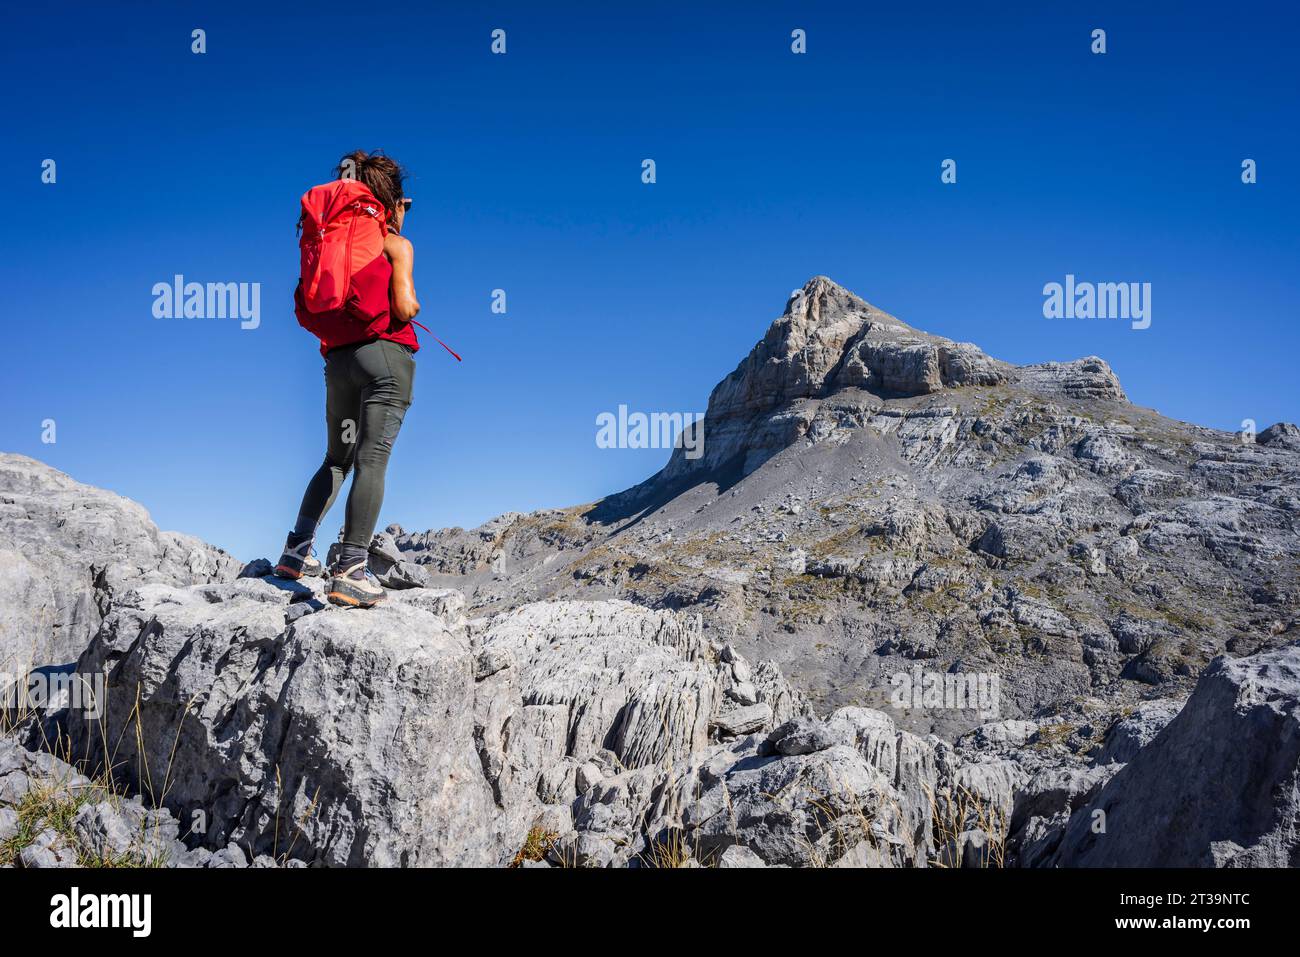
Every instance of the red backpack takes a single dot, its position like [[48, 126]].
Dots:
[[342, 294], [344, 277]]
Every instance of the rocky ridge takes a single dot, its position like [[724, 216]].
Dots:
[[605, 734], [60, 584]]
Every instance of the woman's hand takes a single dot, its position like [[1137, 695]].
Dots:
[[403, 304]]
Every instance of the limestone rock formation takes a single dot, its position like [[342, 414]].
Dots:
[[1218, 786], [67, 549], [872, 497], [1095, 608], [293, 727], [827, 341], [404, 735], [73, 821]]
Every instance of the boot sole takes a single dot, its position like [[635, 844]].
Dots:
[[339, 598], [283, 571]]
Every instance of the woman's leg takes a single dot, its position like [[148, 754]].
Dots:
[[342, 405], [388, 373]]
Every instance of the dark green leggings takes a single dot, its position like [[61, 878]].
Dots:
[[367, 392]]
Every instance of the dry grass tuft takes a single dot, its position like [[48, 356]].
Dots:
[[536, 846]]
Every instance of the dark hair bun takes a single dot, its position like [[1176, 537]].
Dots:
[[381, 175]]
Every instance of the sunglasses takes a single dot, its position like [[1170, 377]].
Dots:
[[405, 203]]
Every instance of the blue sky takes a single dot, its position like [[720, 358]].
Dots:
[[772, 167]]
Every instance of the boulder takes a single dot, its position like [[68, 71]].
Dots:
[[1218, 786], [1042, 809], [803, 810], [1282, 435], [70, 549], [338, 737], [387, 563], [739, 856]]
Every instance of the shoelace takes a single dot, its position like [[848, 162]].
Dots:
[[298, 553], [347, 572]]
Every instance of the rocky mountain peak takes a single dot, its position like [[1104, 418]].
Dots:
[[831, 343], [829, 339], [805, 351], [822, 299]]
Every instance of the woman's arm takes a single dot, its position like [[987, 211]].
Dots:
[[400, 252]]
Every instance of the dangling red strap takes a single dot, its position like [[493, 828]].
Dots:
[[436, 339]]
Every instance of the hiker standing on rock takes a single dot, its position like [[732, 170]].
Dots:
[[357, 296]]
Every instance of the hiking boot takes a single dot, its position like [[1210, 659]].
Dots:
[[353, 587], [297, 561]]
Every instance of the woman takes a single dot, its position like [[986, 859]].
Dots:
[[367, 392]]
